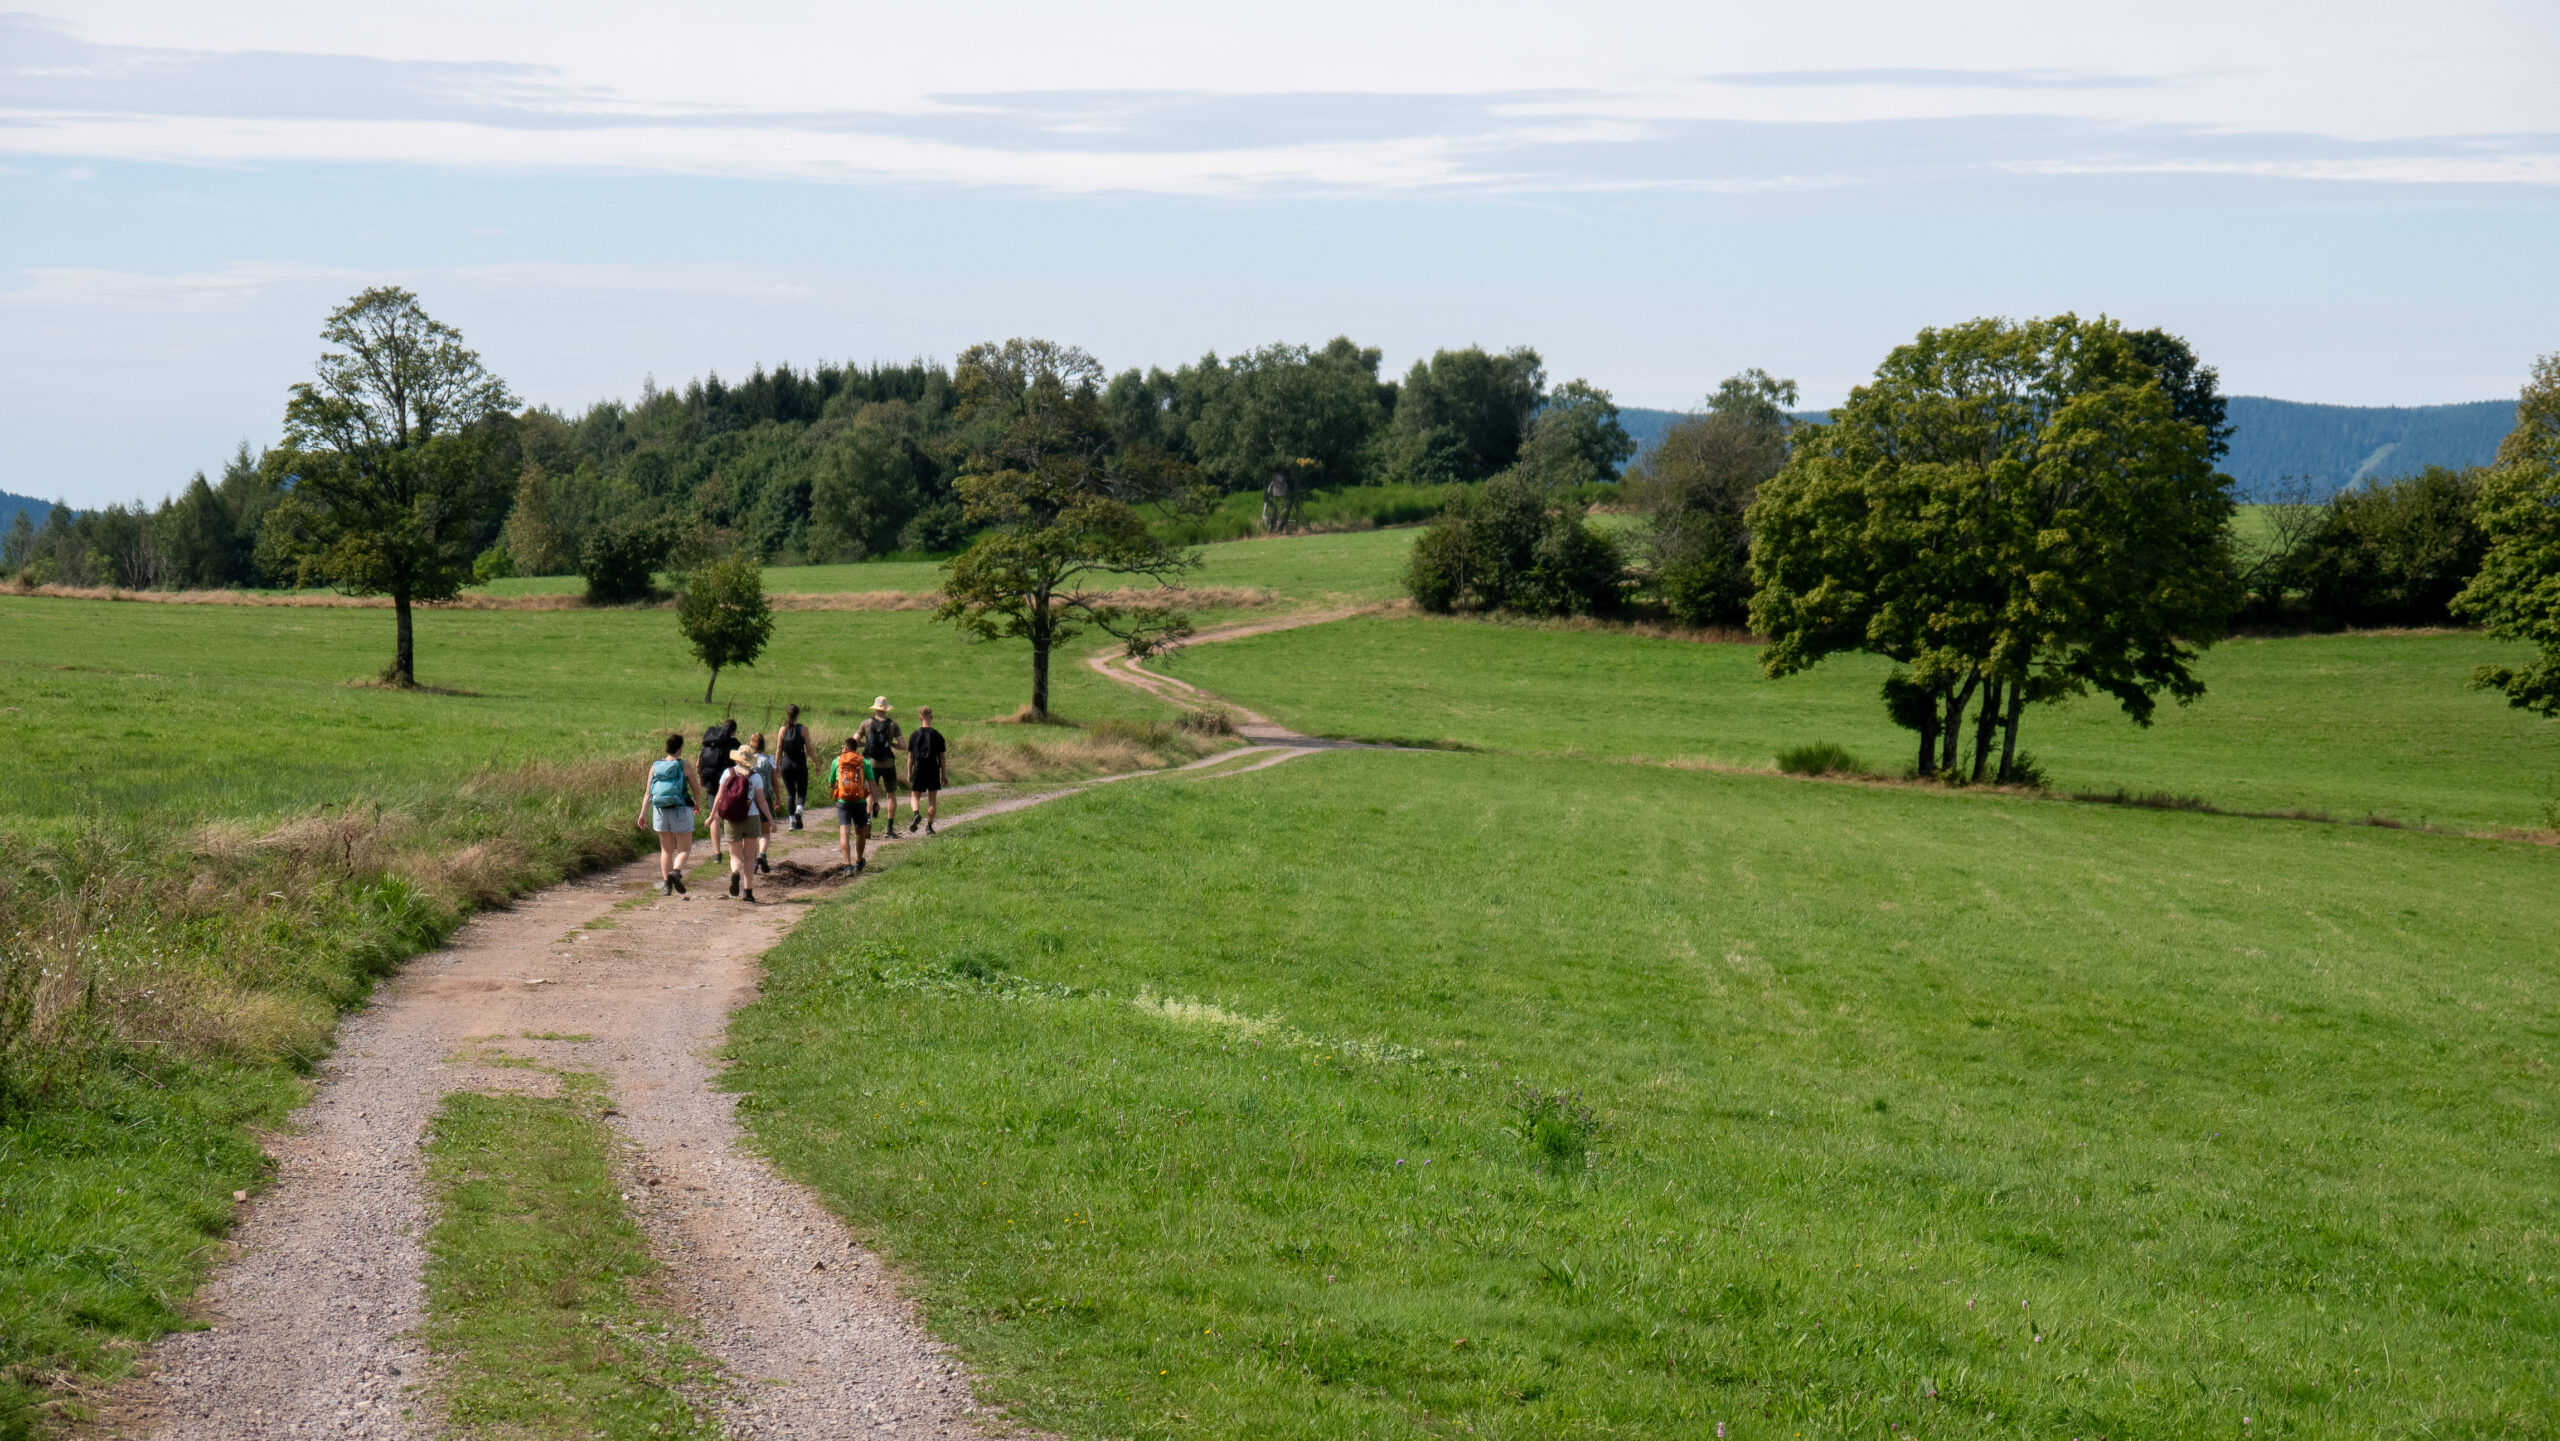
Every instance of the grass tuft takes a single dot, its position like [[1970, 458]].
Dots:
[[539, 1294], [1821, 758]]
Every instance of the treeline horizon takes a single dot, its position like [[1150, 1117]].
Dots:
[[841, 462]]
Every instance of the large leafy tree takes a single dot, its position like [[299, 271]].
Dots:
[[394, 446], [2517, 590], [1285, 418], [2013, 511], [1462, 414], [1055, 495]]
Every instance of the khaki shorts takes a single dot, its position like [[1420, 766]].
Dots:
[[750, 829]]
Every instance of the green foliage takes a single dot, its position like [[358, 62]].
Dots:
[[2180, 1083], [2014, 511], [871, 481], [2516, 593], [394, 445], [1575, 439], [1054, 493], [1819, 758], [620, 560], [1511, 546], [1694, 489], [724, 616], [1284, 420], [2390, 552], [538, 1296], [1461, 415], [495, 563]]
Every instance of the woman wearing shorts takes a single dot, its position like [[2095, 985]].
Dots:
[[666, 807], [744, 809]]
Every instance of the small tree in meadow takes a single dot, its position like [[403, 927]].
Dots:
[[723, 615]]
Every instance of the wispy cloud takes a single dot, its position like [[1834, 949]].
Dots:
[[69, 98]]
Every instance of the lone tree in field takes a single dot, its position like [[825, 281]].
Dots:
[[723, 615], [1056, 499], [2517, 590], [394, 448], [2015, 512]]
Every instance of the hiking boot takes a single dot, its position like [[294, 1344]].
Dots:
[[795, 820], [893, 830], [751, 896], [678, 878], [860, 864], [666, 885], [928, 828], [763, 867], [733, 885]]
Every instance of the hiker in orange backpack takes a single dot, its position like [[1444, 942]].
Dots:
[[853, 807]]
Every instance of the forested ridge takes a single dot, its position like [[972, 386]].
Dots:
[[843, 463]]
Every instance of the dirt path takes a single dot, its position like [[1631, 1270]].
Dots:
[[317, 1319]]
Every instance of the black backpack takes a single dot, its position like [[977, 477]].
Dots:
[[717, 742]]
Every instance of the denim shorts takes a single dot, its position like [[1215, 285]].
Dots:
[[672, 818]]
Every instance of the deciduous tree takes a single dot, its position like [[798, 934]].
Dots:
[[1287, 418], [2014, 512], [2517, 591], [724, 616], [393, 445], [1055, 496], [1694, 488]]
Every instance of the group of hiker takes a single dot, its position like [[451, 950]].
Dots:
[[754, 789]]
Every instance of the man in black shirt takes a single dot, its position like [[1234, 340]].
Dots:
[[925, 750]]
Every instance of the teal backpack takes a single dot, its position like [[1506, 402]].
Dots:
[[667, 784]]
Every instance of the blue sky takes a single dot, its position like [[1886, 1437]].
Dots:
[[2338, 202]]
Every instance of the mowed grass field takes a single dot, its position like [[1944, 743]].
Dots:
[[239, 711], [1196, 1108], [2353, 726]]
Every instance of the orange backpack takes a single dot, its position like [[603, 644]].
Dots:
[[849, 785]]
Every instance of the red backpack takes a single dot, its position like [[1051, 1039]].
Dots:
[[732, 803]]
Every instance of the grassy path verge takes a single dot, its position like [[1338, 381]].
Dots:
[[541, 1293]]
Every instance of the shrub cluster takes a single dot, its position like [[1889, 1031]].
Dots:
[[1511, 546], [2386, 553]]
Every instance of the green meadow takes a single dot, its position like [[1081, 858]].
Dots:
[[244, 711], [1212, 1108], [2350, 725], [1544, 1087]]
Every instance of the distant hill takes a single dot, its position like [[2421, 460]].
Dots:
[[10, 505], [2334, 446], [2330, 446]]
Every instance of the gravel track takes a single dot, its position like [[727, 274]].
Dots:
[[316, 1320]]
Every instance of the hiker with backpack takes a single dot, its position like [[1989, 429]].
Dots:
[[771, 775], [793, 743], [744, 810], [925, 750], [717, 741], [880, 746], [666, 807], [852, 795]]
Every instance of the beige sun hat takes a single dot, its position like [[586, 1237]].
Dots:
[[880, 705], [744, 756]]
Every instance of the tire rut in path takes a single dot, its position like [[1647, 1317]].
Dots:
[[317, 1318]]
